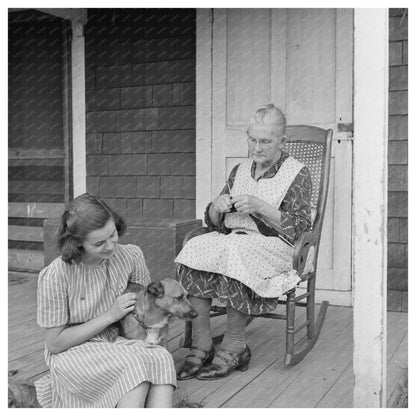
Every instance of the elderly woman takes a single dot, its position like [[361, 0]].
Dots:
[[246, 259]]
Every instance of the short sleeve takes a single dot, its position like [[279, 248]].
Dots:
[[52, 297], [140, 273]]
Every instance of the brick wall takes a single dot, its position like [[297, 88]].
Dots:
[[397, 275], [140, 92]]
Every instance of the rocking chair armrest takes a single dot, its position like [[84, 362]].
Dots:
[[302, 245], [194, 233]]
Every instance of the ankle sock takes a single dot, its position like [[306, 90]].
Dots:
[[234, 337]]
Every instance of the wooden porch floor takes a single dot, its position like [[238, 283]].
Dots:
[[323, 379]]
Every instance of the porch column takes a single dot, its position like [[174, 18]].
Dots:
[[79, 169], [369, 251]]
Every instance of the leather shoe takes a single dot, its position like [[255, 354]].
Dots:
[[232, 361], [190, 369]]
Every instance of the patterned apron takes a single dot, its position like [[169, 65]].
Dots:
[[264, 264]]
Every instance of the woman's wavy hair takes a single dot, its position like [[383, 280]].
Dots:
[[84, 214]]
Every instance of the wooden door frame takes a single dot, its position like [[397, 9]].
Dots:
[[74, 105], [209, 151], [205, 36], [203, 151], [369, 300], [75, 137]]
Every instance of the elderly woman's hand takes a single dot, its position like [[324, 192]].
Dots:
[[222, 203], [248, 204]]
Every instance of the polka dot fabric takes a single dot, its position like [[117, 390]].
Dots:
[[271, 190], [264, 264]]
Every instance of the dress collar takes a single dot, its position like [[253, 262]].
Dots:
[[269, 173]]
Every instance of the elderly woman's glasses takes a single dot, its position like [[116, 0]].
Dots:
[[264, 143]]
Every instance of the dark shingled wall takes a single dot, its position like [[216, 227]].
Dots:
[[140, 82], [397, 273]]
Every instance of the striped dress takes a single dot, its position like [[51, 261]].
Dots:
[[98, 372]]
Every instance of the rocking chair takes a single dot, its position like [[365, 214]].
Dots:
[[311, 146]]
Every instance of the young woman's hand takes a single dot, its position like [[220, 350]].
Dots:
[[122, 306]]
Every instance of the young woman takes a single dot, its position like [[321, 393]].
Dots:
[[80, 294]]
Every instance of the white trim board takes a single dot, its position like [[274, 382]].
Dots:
[[369, 249]]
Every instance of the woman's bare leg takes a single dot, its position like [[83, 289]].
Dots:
[[160, 395], [136, 397]]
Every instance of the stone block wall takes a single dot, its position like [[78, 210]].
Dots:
[[140, 93], [397, 261]]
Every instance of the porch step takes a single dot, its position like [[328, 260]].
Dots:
[[26, 260]]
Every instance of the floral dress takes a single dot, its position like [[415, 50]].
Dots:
[[250, 264]]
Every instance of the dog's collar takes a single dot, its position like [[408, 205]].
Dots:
[[141, 323]]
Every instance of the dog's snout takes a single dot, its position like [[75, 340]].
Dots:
[[193, 314]]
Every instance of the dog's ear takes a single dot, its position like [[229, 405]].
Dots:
[[156, 289]]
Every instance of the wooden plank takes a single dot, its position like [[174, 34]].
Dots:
[[39, 373], [35, 209], [396, 373], [32, 370], [201, 391], [36, 162], [27, 349], [203, 109], [25, 153], [79, 167], [342, 215], [344, 73], [369, 254], [219, 101], [24, 314], [25, 329], [28, 294], [266, 377], [330, 361], [275, 378], [25, 259], [266, 338], [310, 61], [25, 233], [68, 14], [26, 360], [340, 395], [396, 368], [278, 57], [26, 310], [66, 109], [36, 187]]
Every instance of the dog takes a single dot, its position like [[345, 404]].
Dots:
[[156, 306]]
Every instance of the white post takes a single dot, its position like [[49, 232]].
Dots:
[[369, 254], [79, 167], [203, 109]]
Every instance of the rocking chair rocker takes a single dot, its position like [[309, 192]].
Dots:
[[311, 146]]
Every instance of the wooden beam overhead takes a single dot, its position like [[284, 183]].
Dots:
[[79, 15]]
